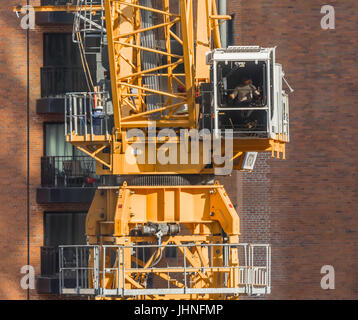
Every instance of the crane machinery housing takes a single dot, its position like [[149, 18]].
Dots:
[[161, 122]]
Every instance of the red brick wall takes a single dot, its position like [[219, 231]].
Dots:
[[13, 172], [312, 196], [13, 142], [254, 203]]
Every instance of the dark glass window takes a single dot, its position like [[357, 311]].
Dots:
[[64, 165], [62, 228], [62, 69], [59, 50], [55, 143], [55, 2]]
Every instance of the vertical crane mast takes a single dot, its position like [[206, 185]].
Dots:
[[128, 51], [127, 55]]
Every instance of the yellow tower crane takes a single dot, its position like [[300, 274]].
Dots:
[[173, 111]]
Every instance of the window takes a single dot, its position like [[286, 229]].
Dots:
[[63, 165], [64, 228], [231, 74], [242, 96], [55, 143], [62, 69], [60, 51], [54, 2]]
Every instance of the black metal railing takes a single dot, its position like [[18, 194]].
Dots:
[[56, 81], [50, 263], [68, 171], [64, 2], [57, 2]]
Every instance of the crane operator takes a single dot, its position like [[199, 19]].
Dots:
[[245, 92]]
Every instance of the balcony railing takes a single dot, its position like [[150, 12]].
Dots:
[[57, 2], [68, 171], [56, 81], [63, 2], [49, 261], [49, 278]]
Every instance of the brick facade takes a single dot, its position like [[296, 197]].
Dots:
[[312, 196], [13, 88]]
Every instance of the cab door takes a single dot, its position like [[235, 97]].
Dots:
[[285, 118], [277, 112]]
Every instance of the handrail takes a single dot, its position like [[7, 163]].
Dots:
[[251, 277], [68, 171]]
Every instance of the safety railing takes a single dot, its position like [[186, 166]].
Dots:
[[79, 270], [88, 114], [68, 171], [124, 271], [89, 27]]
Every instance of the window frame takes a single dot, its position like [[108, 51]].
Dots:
[[45, 231]]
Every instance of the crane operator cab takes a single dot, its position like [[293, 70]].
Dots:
[[245, 94]]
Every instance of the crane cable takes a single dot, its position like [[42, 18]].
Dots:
[[159, 250]]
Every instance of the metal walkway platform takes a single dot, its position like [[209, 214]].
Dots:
[[129, 271]]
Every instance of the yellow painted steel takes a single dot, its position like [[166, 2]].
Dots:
[[117, 162], [205, 212], [210, 209]]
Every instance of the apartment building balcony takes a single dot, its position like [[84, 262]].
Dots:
[[48, 280], [67, 179], [54, 17], [55, 82]]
